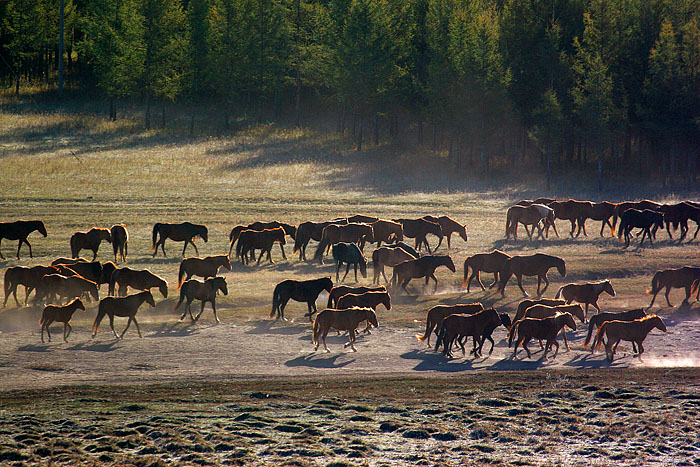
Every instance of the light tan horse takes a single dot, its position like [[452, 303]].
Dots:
[[531, 265], [531, 215], [540, 328], [341, 320], [385, 256], [60, 314], [125, 307], [387, 231], [487, 262], [633, 331], [89, 240], [587, 293], [449, 226]]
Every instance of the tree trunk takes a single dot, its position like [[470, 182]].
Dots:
[[376, 129], [148, 110], [359, 134], [163, 115]]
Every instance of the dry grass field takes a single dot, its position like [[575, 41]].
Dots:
[[78, 170]]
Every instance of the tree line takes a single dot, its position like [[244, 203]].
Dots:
[[606, 84]]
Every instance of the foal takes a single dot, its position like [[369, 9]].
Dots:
[[61, 314]]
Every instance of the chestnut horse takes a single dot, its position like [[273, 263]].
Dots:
[[184, 232], [125, 307], [387, 231], [386, 256], [602, 211], [572, 211], [544, 311], [449, 226], [94, 271], [60, 314], [20, 230], [66, 287], [89, 240], [678, 215], [136, 279], [424, 266], [419, 229], [308, 231], [120, 241], [597, 321], [435, 316], [527, 303], [540, 328], [341, 320], [300, 291], [681, 278], [205, 268], [533, 265], [339, 290], [204, 291], [634, 331], [486, 262], [455, 326], [529, 215], [367, 299], [587, 293], [236, 231]]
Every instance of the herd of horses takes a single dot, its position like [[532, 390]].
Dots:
[[75, 279]]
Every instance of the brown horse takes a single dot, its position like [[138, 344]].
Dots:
[[263, 240], [528, 202], [184, 232], [387, 231], [530, 215], [205, 268], [634, 331], [598, 320], [367, 299], [527, 303], [300, 291], [602, 211], [419, 229], [67, 287], [648, 220], [540, 328], [30, 278], [136, 279], [341, 320], [20, 230], [486, 262], [288, 230], [620, 208], [362, 219], [348, 253], [681, 278], [572, 211], [587, 293], [385, 256], [120, 241], [349, 233], [544, 311], [435, 316], [60, 314], [421, 267], [68, 261], [465, 325], [678, 215], [124, 307], [532, 265], [308, 231], [340, 290], [449, 226], [94, 271], [204, 291], [89, 240]]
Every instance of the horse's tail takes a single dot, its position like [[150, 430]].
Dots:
[[512, 331], [156, 229], [621, 228], [655, 287], [559, 291], [181, 274], [466, 270], [112, 281], [317, 331], [42, 320], [318, 255], [7, 284], [508, 221], [599, 336], [330, 299], [179, 302], [591, 325], [115, 246], [427, 329], [276, 301]]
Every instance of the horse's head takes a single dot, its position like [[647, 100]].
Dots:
[[363, 265], [104, 234], [658, 322], [225, 261], [78, 304], [163, 288], [220, 284], [463, 232], [435, 229], [289, 230], [386, 300], [369, 233], [568, 320], [93, 291], [326, 283], [446, 260], [505, 320], [561, 267], [607, 287], [148, 296], [280, 235], [371, 317], [203, 232], [41, 228], [577, 311], [107, 269]]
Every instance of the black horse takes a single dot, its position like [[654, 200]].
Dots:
[[185, 232], [300, 291], [20, 230], [648, 220], [351, 254]]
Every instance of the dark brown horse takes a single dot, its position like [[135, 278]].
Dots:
[[633, 331], [572, 211], [60, 314], [366, 299], [467, 325], [385, 256], [89, 240], [185, 232], [421, 267], [387, 231], [136, 279], [263, 240], [341, 320], [362, 219], [204, 291], [602, 211], [532, 265], [598, 320], [449, 226], [20, 230], [94, 271], [419, 229], [339, 290], [486, 262], [348, 253], [308, 231], [30, 278], [120, 241], [587, 293], [204, 268], [620, 208], [528, 202], [300, 291], [680, 278], [540, 328], [349, 233], [527, 303], [125, 307], [66, 287], [648, 220], [678, 215], [289, 230], [545, 311], [435, 316]]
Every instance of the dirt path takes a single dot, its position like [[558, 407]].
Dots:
[[265, 348]]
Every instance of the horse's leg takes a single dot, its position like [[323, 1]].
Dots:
[[687, 296], [19, 245], [525, 341], [310, 313], [184, 248], [563, 337], [325, 333], [284, 256], [2, 257], [188, 306], [520, 284], [478, 278], [539, 282], [260, 255], [404, 284], [196, 318], [387, 280], [573, 227], [46, 325], [432, 276], [111, 325], [495, 281], [128, 323], [641, 350], [668, 291], [546, 282], [347, 270], [69, 328], [269, 254], [162, 246]]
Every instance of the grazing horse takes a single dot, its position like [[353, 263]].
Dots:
[[420, 267], [435, 316], [136, 279], [351, 254], [587, 293], [466, 325], [264, 240], [540, 328], [486, 262], [340, 290], [205, 268], [67, 287], [620, 208], [120, 241], [449, 226], [387, 231], [681, 278], [124, 307], [386, 256], [288, 230], [545, 311], [350, 233], [308, 231], [20, 230], [598, 320], [184, 232], [602, 211], [194, 289], [648, 220], [572, 211], [532, 265], [527, 303], [89, 240], [30, 278], [341, 320], [60, 314], [419, 229], [531, 215], [634, 331], [300, 291]]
